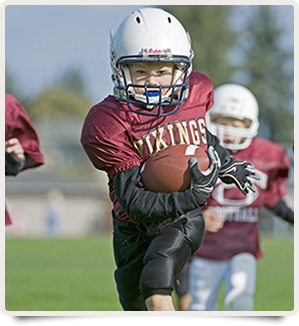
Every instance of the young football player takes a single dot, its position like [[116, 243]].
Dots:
[[231, 242], [22, 149], [158, 101]]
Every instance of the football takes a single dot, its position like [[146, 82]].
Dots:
[[167, 170]]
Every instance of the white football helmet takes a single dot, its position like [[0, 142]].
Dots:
[[151, 35], [236, 101]]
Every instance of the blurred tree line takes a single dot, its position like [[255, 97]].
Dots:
[[65, 98], [249, 53]]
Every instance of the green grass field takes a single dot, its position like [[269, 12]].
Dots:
[[77, 275]]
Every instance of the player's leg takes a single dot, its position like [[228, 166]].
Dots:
[[157, 277], [181, 286], [127, 280], [168, 252], [129, 249], [159, 302], [240, 283], [205, 279]]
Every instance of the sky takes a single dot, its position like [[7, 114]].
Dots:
[[42, 41]]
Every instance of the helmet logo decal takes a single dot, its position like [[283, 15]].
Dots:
[[118, 73], [156, 51]]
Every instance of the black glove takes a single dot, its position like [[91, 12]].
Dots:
[[203, 182], [13, 167], [238, 172]]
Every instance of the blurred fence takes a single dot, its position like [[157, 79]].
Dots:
[[76, 210], [57, 209]]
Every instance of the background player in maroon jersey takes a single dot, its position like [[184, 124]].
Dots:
[[231, 242], [22, 149], [158, 102]]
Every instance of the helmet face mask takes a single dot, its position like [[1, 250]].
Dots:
[[242, 136], [234, 102], [151, 35]]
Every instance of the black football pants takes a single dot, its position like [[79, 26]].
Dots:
[[149, 256]]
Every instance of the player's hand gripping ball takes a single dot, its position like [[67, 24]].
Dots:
[[168, 170]]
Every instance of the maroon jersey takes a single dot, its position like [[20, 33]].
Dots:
[[18, 125], [240, 212], [116, 139]]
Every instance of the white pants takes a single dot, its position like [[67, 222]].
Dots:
[[206, 276]]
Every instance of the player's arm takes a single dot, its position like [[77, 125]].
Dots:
[[233, 171], [23, 132], [282, 210], [142, 205]]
